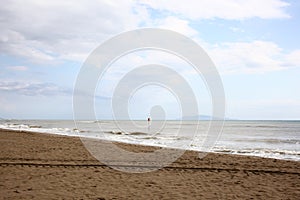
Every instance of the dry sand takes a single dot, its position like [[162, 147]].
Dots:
[[44, 166]]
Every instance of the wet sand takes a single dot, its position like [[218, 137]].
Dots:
[[45, 166]]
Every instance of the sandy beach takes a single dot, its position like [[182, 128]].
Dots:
[[44, 166]]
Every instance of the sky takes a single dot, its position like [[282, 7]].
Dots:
[[255, 46]]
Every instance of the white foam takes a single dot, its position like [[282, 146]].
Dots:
[[266, 153], [162, 140]]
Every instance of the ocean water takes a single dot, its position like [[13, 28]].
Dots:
[[272, 139]]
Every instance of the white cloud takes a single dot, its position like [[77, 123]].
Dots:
[[236, 29], [175, 24], [17, 68], [294, 58], [14, 43], [32, 88], [229, 9], [44, 31], [252, 57], [230, 58], [52, 31]]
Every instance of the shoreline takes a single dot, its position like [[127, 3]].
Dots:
[[225, 151], [55, 166]]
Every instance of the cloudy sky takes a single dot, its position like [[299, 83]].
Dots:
[[255, 46]]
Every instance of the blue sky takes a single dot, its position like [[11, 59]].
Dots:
[[255, 46]]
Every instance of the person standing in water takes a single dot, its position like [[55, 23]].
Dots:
[[149, 123]]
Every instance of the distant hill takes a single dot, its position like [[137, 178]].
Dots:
[[200, 117], [196, 117]]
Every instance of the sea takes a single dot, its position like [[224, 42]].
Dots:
[[270, 139]]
